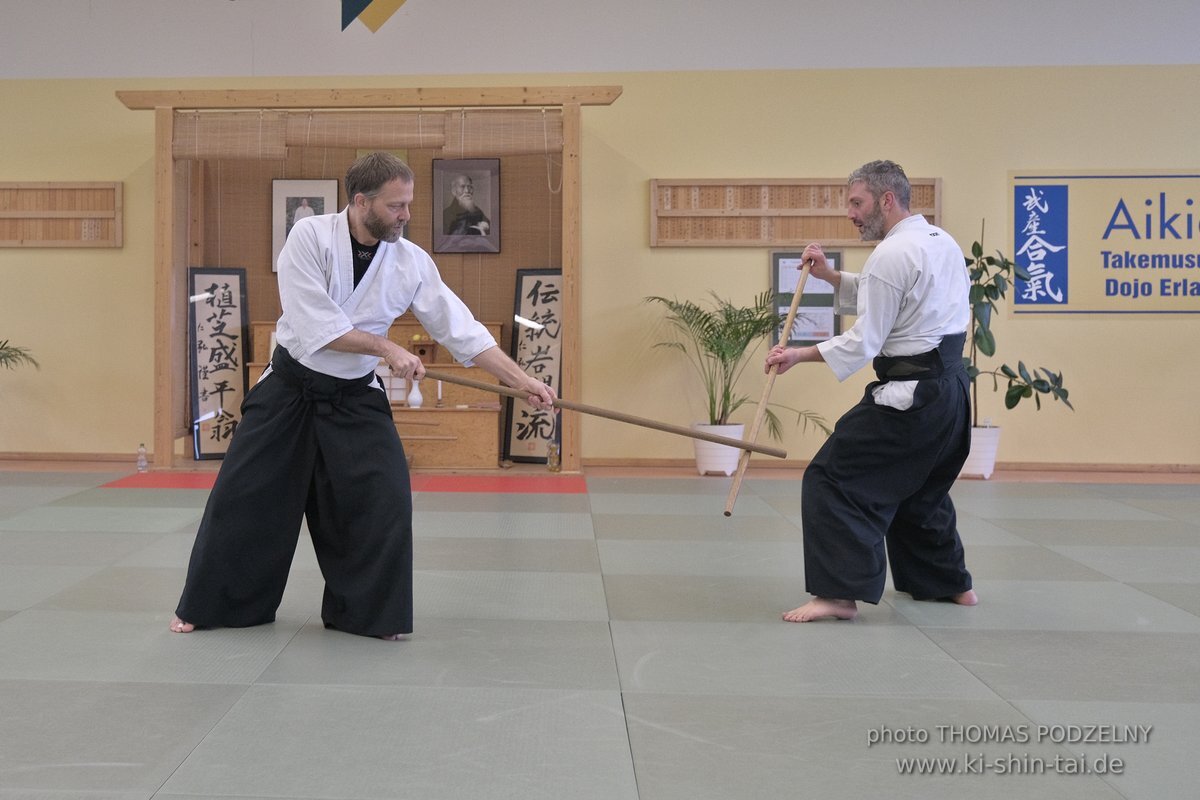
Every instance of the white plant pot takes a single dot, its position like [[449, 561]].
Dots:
[[981, 461], [720, 458]]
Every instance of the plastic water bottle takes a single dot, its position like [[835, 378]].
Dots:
[[142, 463]]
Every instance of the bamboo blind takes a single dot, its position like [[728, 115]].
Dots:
[[768, 212], [268, 134], [229, 134], [374, 130], [499, 132], [55, 214]]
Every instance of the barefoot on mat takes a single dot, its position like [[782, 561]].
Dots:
[[822, 608]]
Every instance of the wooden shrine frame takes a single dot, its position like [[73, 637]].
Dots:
[[169, 384]]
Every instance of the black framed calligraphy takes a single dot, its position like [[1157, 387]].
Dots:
[[218, 323], [536, 347]]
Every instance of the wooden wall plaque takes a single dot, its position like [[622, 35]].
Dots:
[[55, 214], [774, 212]]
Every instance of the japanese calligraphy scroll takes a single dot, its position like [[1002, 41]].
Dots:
[[536, 347], [218, 323]]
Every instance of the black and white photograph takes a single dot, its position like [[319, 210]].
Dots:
[[466, 203]]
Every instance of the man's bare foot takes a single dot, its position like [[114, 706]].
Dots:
[[820, 608], [967, 598], [396, 637], [179, 626]]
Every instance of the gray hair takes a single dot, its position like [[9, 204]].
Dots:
[[368, 174], [884, 176]]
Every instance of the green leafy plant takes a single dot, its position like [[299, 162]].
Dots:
[[12, 356], [716, 341], [991, 276]]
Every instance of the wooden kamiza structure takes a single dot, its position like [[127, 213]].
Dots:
[[471, 120]]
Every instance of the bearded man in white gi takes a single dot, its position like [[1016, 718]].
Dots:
[[883, 478], [316, 439]]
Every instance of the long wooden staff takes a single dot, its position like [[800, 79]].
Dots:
[[614, 415], [760, 415]]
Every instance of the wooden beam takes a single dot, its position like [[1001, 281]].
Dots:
[[145, 100]]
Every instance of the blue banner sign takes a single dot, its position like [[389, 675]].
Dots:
[[1111, 243]]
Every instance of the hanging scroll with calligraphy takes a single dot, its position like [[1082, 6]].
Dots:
[[536, 347], [218, 323]]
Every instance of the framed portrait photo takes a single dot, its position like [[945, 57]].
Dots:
[[815, 319], [466, 205], [293, 200]]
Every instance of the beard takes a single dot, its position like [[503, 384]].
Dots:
[[380, 229], [872, 224]]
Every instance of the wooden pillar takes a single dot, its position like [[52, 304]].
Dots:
[[572, 266], [166, 316]]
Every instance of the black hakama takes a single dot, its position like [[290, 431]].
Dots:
[[308, 446], [883, 479]]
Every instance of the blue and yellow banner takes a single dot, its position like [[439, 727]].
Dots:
[[1106, 243]]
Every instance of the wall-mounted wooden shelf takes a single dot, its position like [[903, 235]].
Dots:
[[54, 214], [764, 213]]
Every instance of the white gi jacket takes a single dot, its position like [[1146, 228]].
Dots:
[[321, 303], [913, 290]]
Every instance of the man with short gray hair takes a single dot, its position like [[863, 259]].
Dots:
[[882, 480]]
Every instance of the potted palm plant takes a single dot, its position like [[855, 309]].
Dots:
[[716, 340], [991, 276], [12, 356]]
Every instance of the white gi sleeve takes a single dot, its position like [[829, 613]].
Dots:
[[878, 306], [447, 319], [845, 299], [306, 274]]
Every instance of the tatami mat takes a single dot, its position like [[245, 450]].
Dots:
[[613, 637]]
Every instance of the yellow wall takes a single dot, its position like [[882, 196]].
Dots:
[[87, 314]]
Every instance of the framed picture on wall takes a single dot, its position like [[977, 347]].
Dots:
[[466, 205], [293, 200], [815, 321]]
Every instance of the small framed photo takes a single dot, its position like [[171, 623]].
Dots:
[[466, 205], [815, 318], [293, 200]]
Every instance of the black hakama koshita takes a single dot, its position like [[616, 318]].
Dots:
[[312, 446], [884, 476]]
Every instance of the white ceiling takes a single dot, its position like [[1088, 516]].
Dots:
[[209, 38]]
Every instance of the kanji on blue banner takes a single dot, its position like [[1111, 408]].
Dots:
[[1040, 243]]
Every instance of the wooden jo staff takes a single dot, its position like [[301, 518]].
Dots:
[[760, 415], [614, 415]]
